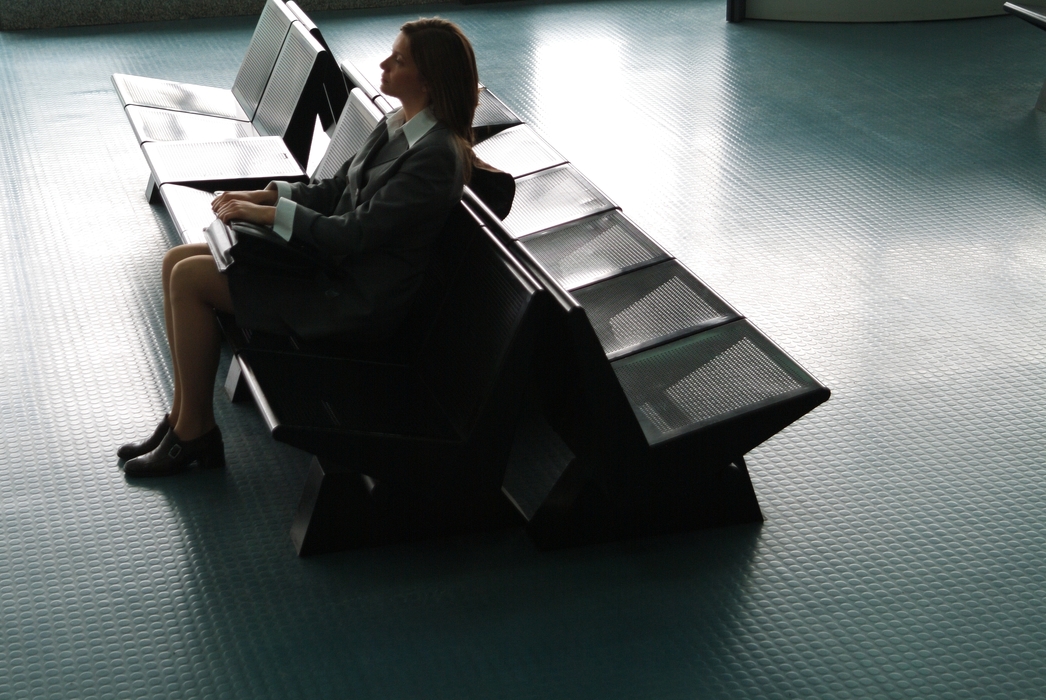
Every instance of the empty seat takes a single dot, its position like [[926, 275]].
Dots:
[[213, 165], [594, 248], [649, 307], [288, 107], [241, 101], [701, 387], [518, 151], [551, 198], [492, 116]]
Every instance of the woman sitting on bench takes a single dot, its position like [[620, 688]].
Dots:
[[373, 223]]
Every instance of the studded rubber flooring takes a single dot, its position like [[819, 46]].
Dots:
[[872, 196]]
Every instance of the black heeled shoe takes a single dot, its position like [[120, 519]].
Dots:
[[174, 455], [137, 449]]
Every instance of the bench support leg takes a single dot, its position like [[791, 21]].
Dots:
[[342, 509], [235, 387], [152, 192], [1041, 103]]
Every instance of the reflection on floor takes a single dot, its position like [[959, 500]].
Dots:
[[870, 195]]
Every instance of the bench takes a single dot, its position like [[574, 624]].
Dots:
[[651, 388], [648, 388], [238, 103]]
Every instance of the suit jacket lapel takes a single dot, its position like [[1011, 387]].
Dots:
[[378, 138], [388, 158]]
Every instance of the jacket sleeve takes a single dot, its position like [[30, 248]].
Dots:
[[322, 196], [419, 194]]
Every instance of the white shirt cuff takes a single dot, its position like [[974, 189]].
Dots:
[[283, 189], [284, 223]]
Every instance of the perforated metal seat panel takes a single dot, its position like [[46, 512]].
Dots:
[[180, 97], [190, 210], [289, 77], [706, 378], [551, 198], [518, 151], [206, 161], [649, 307], [358, 119], [492, 112], [151, 124], [592, 249], [262, 52]]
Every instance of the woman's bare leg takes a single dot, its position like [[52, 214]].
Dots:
[[196, 290], [172, 258]]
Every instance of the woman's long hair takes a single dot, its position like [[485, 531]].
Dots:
[[447, 64]]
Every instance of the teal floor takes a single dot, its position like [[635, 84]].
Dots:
[[872, 196]]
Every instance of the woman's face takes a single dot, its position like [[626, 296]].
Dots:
[[400, 77]]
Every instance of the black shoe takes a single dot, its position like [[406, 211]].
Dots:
[[174, 455], [137, 449]]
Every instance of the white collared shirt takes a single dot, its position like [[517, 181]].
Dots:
[[419, 125]]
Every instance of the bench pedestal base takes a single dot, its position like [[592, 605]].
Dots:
[[581, 510], [342, 509], [1041, 103], [152, 192]]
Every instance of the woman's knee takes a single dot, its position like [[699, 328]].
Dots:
[[182, 252], [197, 278], [187, 279]]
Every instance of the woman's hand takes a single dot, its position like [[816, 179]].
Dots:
[[265, 197], [245, 211]]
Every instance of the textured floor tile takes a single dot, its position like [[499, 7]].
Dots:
[[871, 196]]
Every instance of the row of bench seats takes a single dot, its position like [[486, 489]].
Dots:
[[648, 388], [655, 386]]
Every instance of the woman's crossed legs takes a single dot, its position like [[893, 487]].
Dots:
[[193, 289]]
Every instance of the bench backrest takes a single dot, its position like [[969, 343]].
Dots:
[[334, 84], [262, 52], [477, 330], [290, 102], [357, 120]]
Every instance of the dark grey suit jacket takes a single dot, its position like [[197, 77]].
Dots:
[[376, 237]]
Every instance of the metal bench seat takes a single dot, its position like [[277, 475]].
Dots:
[[518, 151], [725, 390], [288, 106], [190, 210], [591, 249], [651, 306], [151, 124], [492, 116], [551, 198], [214, 165], [241, 101]]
